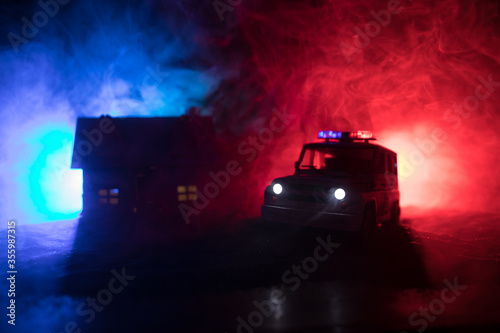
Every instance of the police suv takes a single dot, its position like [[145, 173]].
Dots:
[[345, 183]]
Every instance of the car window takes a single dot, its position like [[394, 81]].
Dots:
[[340, 159], [388, 167], [394, 162], [391, 164]]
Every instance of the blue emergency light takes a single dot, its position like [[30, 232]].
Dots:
[[329, 135], [338, 135]]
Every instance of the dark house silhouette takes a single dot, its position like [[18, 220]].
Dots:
[[144, 165]]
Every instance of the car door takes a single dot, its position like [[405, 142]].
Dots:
[[382, 185]]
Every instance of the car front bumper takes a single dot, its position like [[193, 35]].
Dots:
[[328, 220]]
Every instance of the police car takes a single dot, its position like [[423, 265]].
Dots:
[[344, 183]]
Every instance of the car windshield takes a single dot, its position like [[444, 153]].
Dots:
[[338, 159]]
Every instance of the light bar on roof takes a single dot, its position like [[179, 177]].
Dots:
[[361, 135], [338, 135], [329, 135]]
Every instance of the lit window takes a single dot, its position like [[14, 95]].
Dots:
[[185, 193], [109, 196]]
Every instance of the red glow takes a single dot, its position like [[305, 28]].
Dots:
[[427, 82]]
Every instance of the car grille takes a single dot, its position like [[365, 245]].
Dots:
[[306, 198], [308, 187]]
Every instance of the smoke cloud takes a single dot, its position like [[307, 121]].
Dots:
[[423, 75]]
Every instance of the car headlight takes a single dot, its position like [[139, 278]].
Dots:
[[339, 194], [277, 188]]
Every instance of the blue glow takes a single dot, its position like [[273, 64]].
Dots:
[[47, 189], [329, 135], [97, 58], [56, 189]]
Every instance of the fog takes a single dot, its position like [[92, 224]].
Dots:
[[423, 75]]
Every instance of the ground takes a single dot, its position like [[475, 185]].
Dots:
[[439, 272]]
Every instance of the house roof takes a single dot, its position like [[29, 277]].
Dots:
[[108, 142]]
